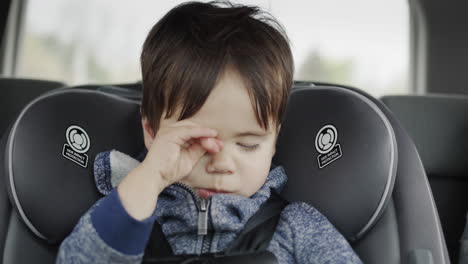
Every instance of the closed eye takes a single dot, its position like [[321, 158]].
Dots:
[[248, 147]]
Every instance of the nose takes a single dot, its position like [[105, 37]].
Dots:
[[220, 163]]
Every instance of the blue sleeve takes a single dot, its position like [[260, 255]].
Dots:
[[118, 229], [106, 233], [304, 235]]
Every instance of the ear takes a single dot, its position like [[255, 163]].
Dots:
[[148, 133]]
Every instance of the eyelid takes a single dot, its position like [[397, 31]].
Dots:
[[249, 147], [246, 145]]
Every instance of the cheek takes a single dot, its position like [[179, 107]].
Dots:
[[253, 181], [254, 171]]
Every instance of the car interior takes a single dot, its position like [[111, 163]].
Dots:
[[395, 183]]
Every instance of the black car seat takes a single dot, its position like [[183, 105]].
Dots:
[[16, 93], [438, 125], [343, 151]]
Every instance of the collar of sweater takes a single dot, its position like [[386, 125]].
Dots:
[[178, 207]]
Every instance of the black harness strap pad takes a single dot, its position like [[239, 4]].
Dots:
[[157, 246], [249, 246], [260, 228]]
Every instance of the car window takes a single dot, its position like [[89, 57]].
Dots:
[[362, 43]]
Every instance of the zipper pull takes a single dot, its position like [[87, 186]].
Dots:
[[203, 217]]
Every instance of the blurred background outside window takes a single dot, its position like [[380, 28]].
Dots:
[[361, 43]]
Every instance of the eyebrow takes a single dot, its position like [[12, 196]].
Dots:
[[252, 134]]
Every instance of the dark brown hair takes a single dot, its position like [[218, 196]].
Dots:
[[186, 52]]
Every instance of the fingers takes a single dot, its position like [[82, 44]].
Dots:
[[197, 150], [207, 144], [187, 132], [211, 144], [187, 135]]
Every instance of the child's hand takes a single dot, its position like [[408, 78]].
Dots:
[[173, 153], [177, 148]]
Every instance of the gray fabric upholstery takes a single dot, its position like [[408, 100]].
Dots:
[[438, 125]]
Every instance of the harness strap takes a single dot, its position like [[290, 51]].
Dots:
[[259, 230], [157, 246], [254, 238]]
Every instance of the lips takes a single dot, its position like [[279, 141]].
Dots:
[[205, 193]]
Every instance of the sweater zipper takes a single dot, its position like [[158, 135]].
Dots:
[[202, 206]]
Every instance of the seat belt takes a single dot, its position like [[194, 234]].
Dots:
[[248, 247]]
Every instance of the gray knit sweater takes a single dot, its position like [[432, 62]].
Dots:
[[107, 234]]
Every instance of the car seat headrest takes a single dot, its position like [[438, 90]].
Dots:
[[51, 150], [339, 152]]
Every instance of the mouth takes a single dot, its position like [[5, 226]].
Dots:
[[205, 193]]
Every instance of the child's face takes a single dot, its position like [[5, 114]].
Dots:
[[236, 168]]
